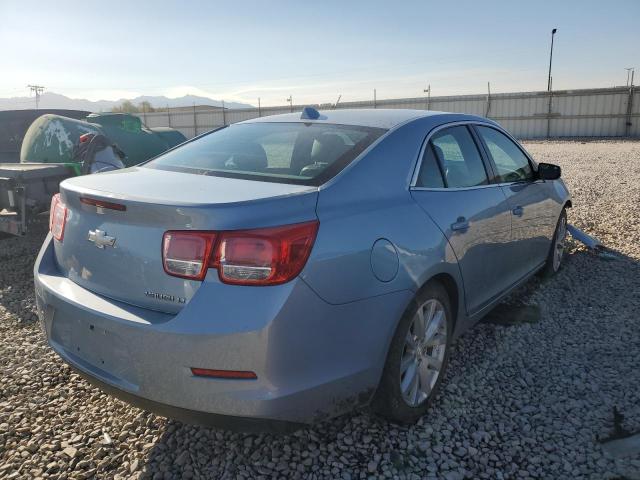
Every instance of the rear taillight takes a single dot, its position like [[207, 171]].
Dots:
[[85, 137], [265, 256], [186, 254], [57, 217]]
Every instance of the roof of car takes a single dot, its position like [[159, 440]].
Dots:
[[367, 117]]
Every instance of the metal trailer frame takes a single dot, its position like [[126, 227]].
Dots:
[[26, 190]]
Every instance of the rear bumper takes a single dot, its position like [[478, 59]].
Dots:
[[313, 360], [244, 424]]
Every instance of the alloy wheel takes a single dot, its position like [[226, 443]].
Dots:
[[423, 353], [561, 234]]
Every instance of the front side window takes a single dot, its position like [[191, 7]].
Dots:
[[512, 164], [459, 158], [300, 153]]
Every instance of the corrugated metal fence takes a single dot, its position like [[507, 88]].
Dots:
[[605, 112]]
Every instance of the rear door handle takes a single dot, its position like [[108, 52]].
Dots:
[[518, 211], [461, 224]]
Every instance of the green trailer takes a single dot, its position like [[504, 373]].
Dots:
[[52, 138], [52, 151]]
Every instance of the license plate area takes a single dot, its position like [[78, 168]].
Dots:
[[95, 345]]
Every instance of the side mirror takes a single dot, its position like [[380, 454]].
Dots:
[[548, 171]]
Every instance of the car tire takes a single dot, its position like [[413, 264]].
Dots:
[[409, 354], [556, 251]]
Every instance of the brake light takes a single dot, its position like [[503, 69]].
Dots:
[[186, 254], [265, 256], [57, 217], [85, 137], [102, 204]]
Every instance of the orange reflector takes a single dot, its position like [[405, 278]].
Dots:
[[233, 374]]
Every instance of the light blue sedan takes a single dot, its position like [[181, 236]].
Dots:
[[287, 269]]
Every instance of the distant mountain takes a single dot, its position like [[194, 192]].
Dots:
[[55, 100]]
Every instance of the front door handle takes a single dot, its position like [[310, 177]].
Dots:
[[518, 211], [461, 224]]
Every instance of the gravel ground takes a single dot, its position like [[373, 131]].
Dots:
[[529, 400]]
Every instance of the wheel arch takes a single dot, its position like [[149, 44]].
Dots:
[[455, 293], [451, 287]]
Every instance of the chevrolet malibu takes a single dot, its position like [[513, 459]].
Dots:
[[287, 269]]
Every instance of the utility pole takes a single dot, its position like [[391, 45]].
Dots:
[[428, 92], [259, 108], [37, 89], [290, 100], [195, 121], [375, 100], [629, 71], [486, 114], [224, 115], [553, 32]]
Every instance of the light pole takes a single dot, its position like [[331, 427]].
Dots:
[[290, 100], [428, 92], [553, 32]]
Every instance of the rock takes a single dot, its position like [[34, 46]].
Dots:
[[520, 399], [460, 452], [70, 452]]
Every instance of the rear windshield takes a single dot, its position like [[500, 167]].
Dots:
[[300, 153]]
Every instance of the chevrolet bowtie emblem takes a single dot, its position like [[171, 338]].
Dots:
[[100, 239]]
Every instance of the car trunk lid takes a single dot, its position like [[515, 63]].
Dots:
[[112, 241]]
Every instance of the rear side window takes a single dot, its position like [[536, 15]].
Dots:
[[430, 175], [301, 153], [512, 164], [459, 158]]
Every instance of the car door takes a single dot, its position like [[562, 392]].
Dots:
[[531, 212], [452, 187]]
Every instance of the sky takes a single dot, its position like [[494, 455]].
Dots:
[[314, 51]]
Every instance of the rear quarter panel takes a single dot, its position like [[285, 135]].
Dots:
[[371, 201]]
